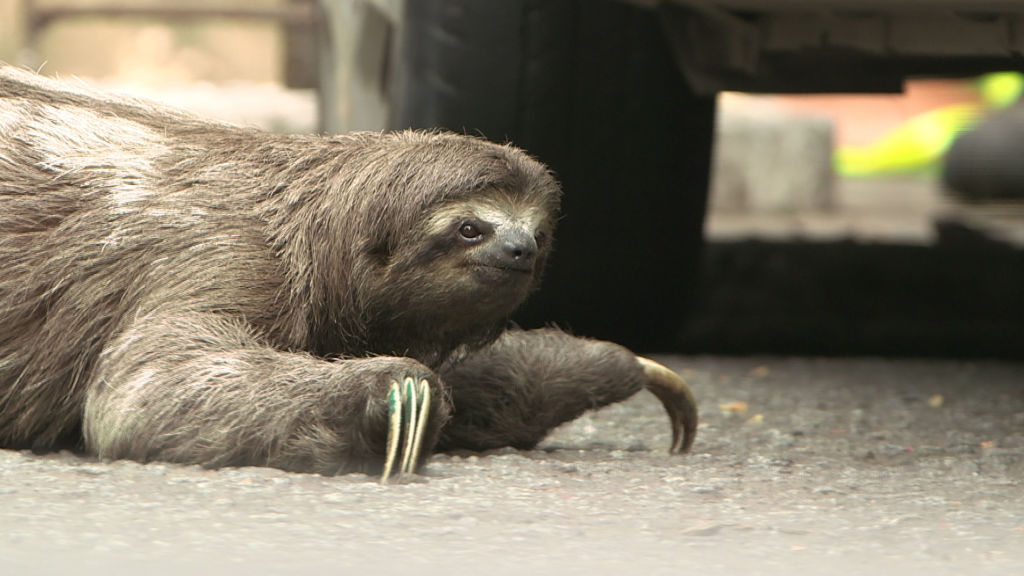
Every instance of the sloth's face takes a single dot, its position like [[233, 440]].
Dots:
[[496, 248], [476, 260], [498, 251]]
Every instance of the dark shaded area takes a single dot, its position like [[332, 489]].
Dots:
[[963, 297], [592, 90]]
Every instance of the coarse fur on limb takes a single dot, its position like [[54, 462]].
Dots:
[[516, 390], [182, 290]]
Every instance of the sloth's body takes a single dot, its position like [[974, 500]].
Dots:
[[182, 290]]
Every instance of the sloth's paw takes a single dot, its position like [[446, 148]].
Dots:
[[678, 400], [408, 412]]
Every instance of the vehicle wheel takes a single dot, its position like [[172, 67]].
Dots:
[[589, 88], [983, 163]]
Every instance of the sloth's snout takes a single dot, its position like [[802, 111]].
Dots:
[[520, 251], [515, 250]]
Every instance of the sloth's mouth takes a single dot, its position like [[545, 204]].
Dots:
[[501, 273], [515, 269], [525, 270]]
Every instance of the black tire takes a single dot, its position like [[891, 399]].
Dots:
[[984, 162], [590, 88]]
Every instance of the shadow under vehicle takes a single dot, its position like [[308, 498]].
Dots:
[[618, 97]]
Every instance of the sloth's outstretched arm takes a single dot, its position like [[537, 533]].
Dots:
[[513, 392], [199, 388]]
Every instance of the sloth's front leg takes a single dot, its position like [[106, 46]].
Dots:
[[200, 388], [515, 391]]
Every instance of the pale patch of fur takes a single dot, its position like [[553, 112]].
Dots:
[[494, 207]]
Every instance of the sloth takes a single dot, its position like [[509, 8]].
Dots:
[[182, 290]]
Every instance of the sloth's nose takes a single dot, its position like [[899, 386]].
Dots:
[[519, 250]]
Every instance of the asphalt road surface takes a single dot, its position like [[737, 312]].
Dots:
[[801, 466]]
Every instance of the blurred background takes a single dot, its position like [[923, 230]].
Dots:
[[834, 223], [742, 177]]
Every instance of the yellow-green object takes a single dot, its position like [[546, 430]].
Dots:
[[920, 142], [911, 146], [1000, 89]]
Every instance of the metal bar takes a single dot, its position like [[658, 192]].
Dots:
[[298, 14]]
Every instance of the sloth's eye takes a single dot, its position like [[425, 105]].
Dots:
[[469, 231]]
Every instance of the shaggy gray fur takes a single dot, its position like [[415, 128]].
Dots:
[[182, 290]]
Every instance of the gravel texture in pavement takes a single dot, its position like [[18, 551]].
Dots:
[[801, 466]]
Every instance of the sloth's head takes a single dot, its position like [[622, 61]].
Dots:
[[458, 231]]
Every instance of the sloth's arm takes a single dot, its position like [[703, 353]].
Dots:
[[515, 391], [199, 388]]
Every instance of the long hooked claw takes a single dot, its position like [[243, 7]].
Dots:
[[408, 412], [678, 400]]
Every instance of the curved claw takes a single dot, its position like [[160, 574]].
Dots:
[[678, 400], [408, 411]]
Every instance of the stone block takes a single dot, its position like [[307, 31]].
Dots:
[[769, 160]]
